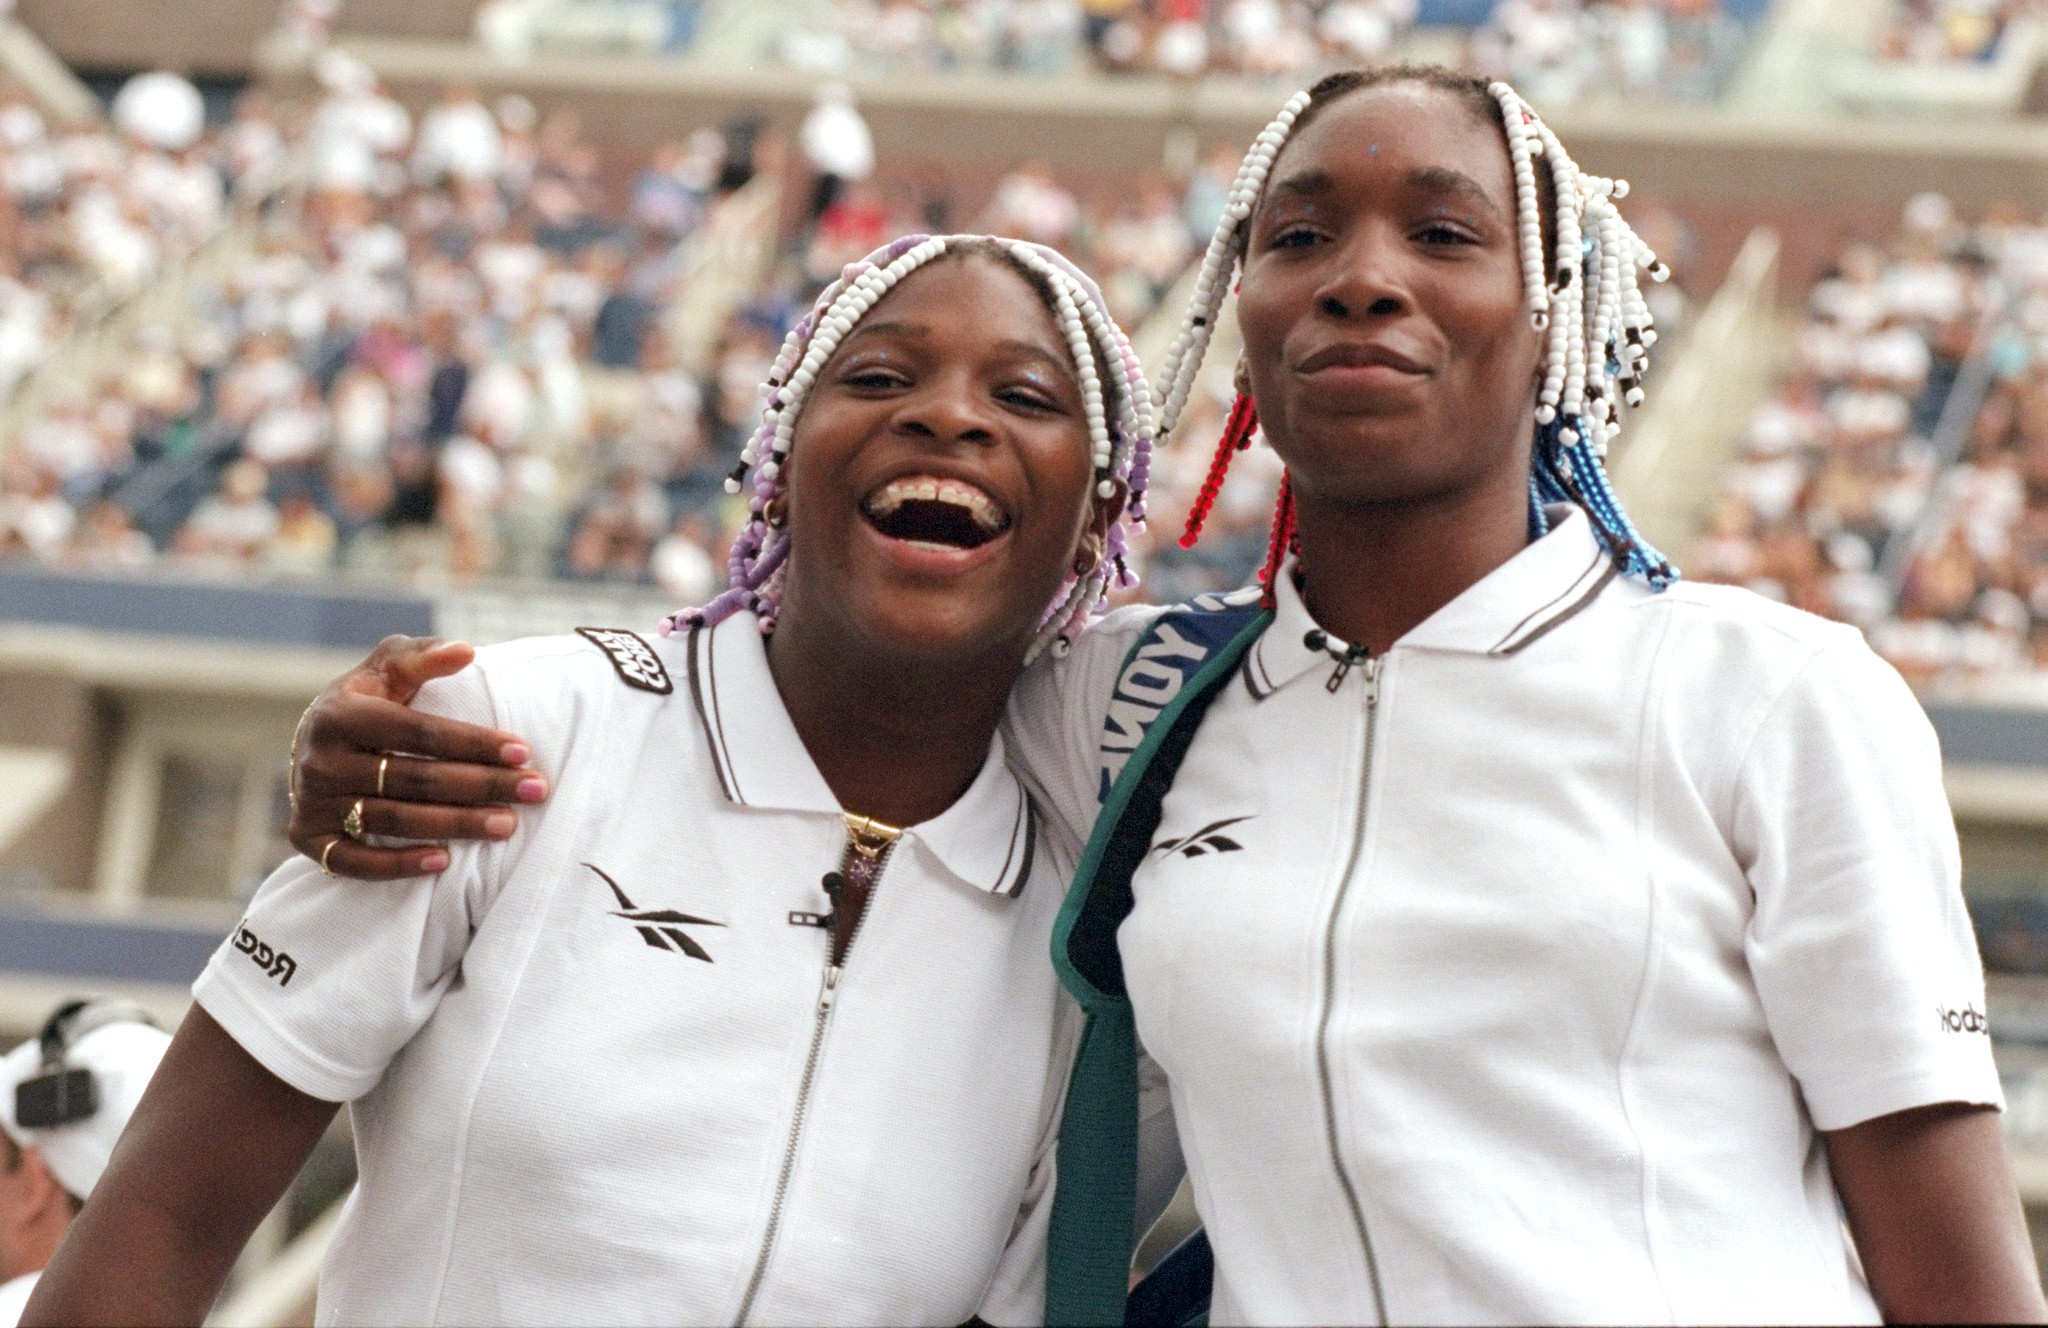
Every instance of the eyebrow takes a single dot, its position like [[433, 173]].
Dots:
[[897, 326], [1444, 181], [1305, 183], [1041, 354], [923, 332]]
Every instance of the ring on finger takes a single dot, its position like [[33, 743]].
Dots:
[[352, 823], [383, 765], [326, 849]]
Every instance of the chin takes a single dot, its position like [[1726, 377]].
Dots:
[[943, 627]]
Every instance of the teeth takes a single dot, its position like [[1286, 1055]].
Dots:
[[925, 488]]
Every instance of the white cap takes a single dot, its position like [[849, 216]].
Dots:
[[162, 109], [121, 1057]]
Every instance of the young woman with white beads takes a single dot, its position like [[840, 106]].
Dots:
[[1528, 936], [1587, 944], [752, 1023]]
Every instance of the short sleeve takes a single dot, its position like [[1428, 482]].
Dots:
[[1859, 944], [327, 978], [1053, 729]]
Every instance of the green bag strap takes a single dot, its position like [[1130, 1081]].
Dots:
[[1090, 1242]]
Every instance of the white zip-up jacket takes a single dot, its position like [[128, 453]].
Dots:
[[604, 1073], [1507, 978]]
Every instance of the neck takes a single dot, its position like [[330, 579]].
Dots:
[[1375, 571], [897, 738]]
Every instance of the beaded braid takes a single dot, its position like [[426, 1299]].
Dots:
[[1589, 306], [1121, 445]]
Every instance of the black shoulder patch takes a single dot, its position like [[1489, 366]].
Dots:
[[639, 667]]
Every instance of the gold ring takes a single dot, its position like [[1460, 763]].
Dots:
[[326, 849], [352, 824], [383, 764]]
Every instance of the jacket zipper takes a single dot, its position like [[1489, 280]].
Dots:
[[868, 842], [1371, 667]]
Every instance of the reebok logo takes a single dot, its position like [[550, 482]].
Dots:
[[1208, 839], [661, 928], [1966, 1020], [275, 963]]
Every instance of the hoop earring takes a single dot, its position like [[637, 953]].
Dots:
[[1088, 557], [775, 512]]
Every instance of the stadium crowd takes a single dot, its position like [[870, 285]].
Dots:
[[1273, 39], [1556, 50], [88, 216], [1562, 51], [1898, 476], [1950, 31], [451, 352]]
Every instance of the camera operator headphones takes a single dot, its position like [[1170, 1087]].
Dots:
[[63, 1094]]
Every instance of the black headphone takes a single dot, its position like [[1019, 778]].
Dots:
[[62, 1094]]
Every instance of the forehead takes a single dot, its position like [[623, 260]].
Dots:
[[1406, 125], [969, 300]]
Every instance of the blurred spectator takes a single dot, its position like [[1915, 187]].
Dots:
[[1032, 205], [235, 524], [837, 144], [459, 140], [1944, 31]]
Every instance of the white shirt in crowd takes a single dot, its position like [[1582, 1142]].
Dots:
[[1525, 961], [14, 1294], [597, 1072], [835, 139]]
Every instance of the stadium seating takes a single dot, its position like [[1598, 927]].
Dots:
[[463, 350], [1895, 478]]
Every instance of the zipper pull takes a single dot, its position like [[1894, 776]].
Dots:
[[831, 985], [1351, 656], [1346, 658], [1372, 681]]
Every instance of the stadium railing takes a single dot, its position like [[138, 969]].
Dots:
[[1674, 451]]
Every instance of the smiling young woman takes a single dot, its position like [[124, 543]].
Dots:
[[1585, 940], [753, 1022]]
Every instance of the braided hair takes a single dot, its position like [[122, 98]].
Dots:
[[1115, 401], [1580, 283]]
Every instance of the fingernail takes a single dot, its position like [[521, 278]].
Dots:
[[514, 753], [532, 790], [434, 861], [501, 824]]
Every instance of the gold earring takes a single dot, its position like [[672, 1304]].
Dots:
[[774, 512]]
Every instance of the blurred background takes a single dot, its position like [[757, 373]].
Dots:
[[325, 319]]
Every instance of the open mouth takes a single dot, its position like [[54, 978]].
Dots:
[[936, 513]]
